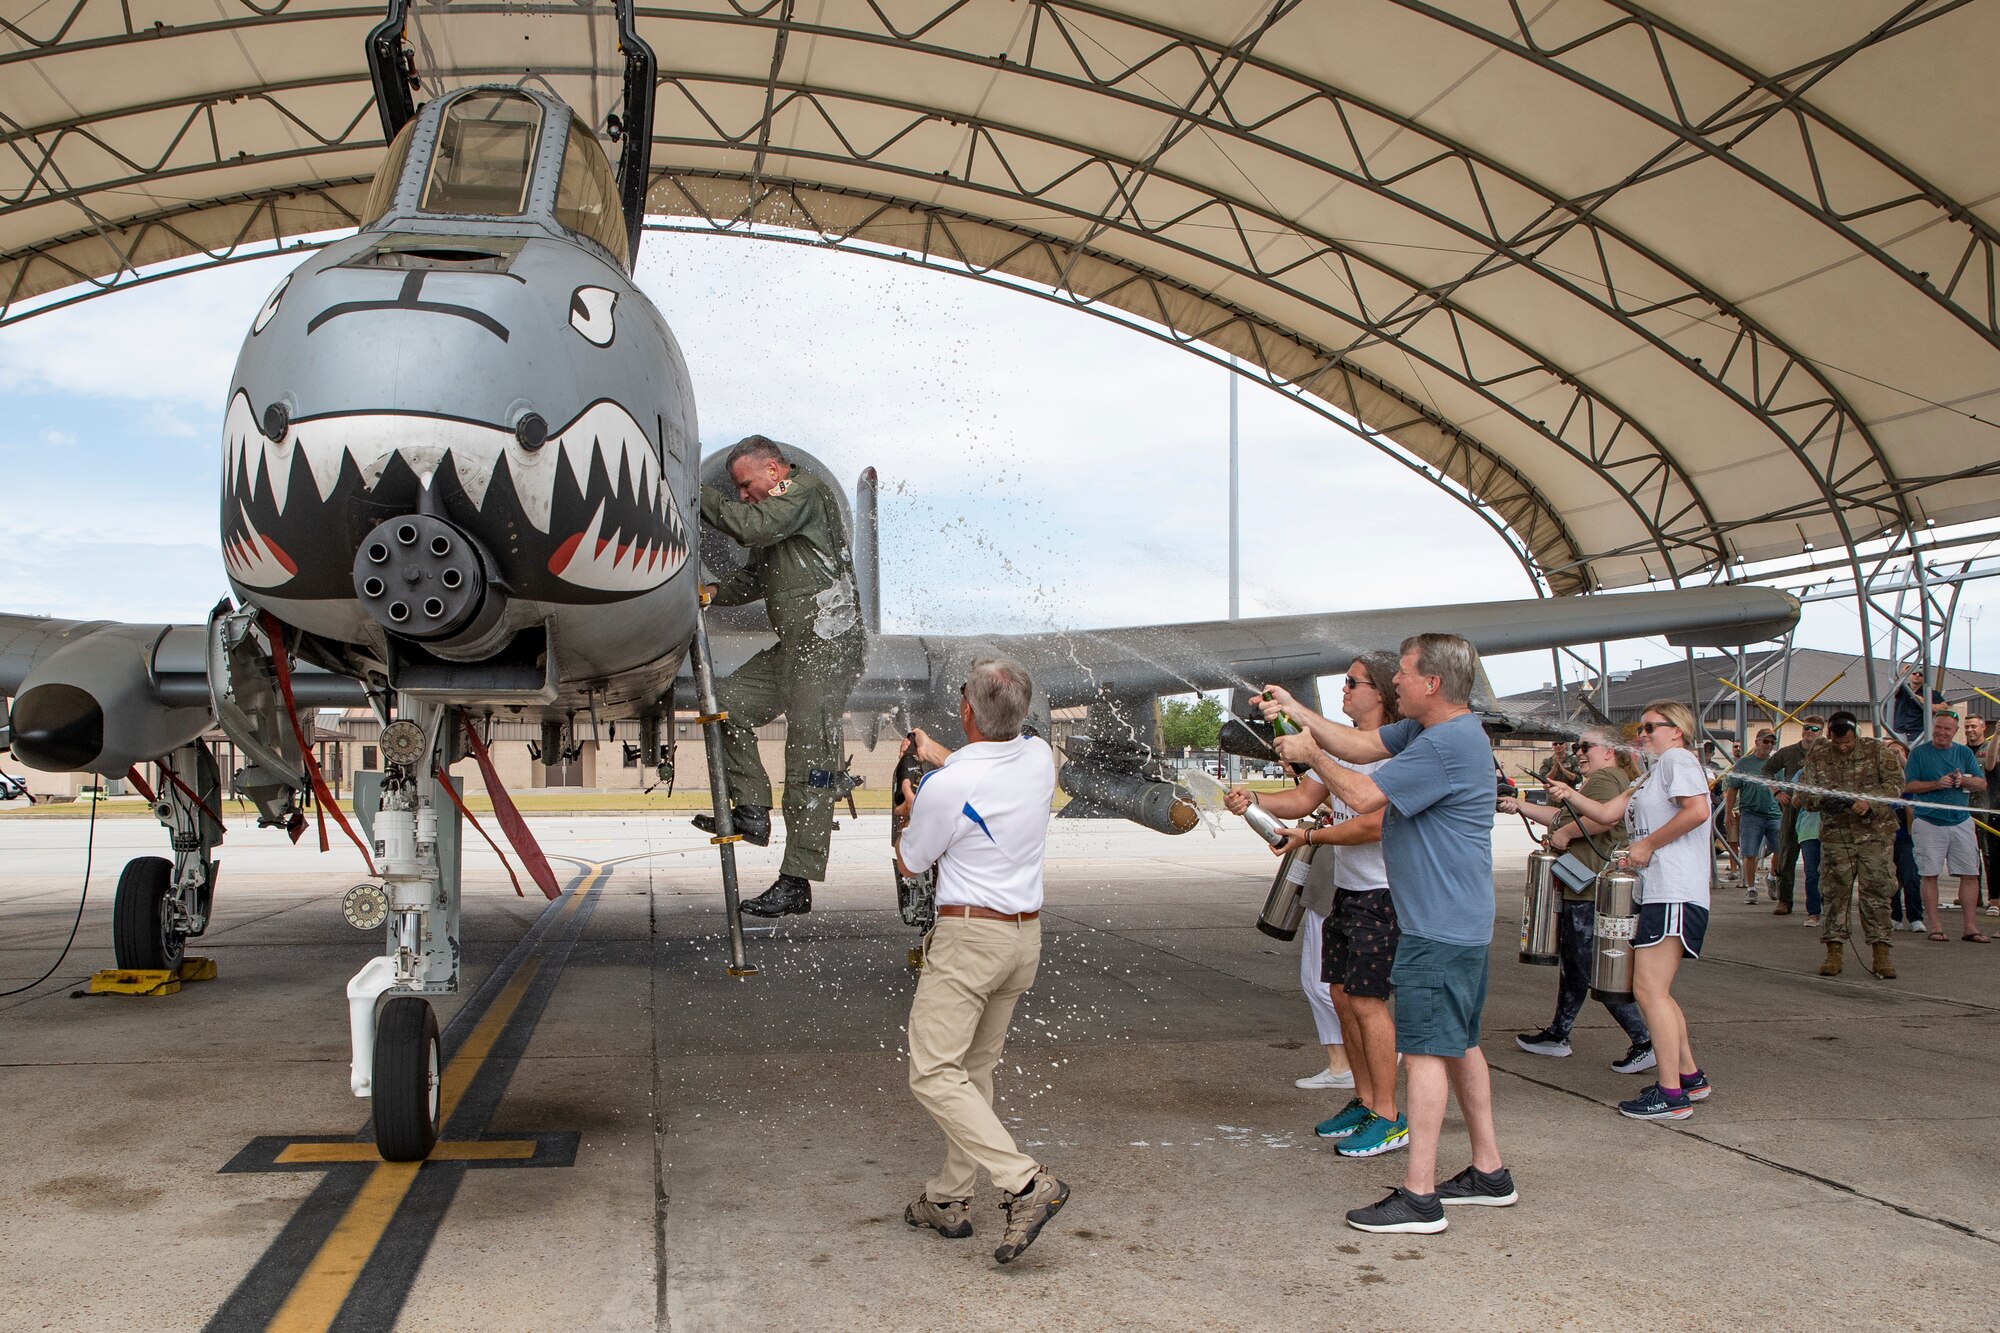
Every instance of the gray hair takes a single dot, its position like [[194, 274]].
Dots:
[[1448, 657], [1000, 691], [757, 448]]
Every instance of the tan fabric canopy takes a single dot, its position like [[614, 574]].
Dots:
[[1658, 288]]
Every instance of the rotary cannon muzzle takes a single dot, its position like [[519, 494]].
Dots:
[[422, 578]]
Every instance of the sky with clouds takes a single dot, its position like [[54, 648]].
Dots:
[[1040, 468]]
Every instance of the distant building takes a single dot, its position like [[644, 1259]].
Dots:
[[1832, 681]]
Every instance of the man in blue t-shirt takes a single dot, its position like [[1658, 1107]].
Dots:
[[1941, 775], [1437, 794]]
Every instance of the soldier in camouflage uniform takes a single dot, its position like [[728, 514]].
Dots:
[[1857, 836], [801, 569]]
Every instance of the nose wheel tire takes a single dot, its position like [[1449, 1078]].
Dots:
[[406, 1085], [142, 930]]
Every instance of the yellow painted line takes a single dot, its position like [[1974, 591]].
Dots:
[[323, 1288], [473, 1150]]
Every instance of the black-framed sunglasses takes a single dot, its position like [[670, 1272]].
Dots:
[[1356, 682], [1648, 728], [1812, 731]]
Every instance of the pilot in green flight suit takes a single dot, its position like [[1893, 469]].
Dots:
[[801, 569]]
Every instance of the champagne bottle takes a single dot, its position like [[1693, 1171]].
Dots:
[[1282, 724]]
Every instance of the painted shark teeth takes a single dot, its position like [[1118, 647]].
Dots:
[[603, 436], [254, 559]]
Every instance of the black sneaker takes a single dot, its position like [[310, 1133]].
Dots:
[[1493, 1189], [1401, 1211], [1638, 1058], [1653, 1103], [1545, 1042]]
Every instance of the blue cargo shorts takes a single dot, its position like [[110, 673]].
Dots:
[[1440, 995]]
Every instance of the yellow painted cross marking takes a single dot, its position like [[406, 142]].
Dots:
[[323, 1288]]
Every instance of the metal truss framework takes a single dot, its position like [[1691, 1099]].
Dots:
[[1094, 259]]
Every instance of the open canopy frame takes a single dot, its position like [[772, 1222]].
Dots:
[[1659, 290]]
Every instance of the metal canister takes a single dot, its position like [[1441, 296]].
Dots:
[[1617, 922], [1285, 905], [1539, 899], [1267, 825]]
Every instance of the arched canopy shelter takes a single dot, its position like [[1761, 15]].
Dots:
[[1660, 289]]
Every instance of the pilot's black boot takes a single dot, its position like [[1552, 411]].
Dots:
[[752, 821], [789, 896]]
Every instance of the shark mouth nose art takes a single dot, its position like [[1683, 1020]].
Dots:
[[584, 517]]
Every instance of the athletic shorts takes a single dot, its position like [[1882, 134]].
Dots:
[[1358, 943], [1440, 995], [1757, 835], [1684, 921], [1945, 849]]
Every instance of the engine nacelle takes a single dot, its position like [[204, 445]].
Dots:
[[92, 706]]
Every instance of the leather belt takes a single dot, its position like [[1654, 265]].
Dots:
[[984, 913]]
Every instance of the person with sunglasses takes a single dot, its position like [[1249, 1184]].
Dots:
[[1354, 945], [1666, 814], [1436, 795], [1944, 776], [1784, 766], [1853, 781], [1607, 771]]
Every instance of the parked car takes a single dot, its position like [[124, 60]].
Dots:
[[11, 788]]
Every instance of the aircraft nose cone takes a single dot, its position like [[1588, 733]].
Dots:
[[57, 728]]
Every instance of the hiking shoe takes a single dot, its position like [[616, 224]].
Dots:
[[951, 1219], [1654, 1104], [753, 822], [1345, 1121], [1695, 1085], [1494, 1189], [1401, 1211], [1638, 1058], [1831, 967], [1545, 1042], [1326, 1078], [1782, 909], [1375, 1137], [1028, 1212]]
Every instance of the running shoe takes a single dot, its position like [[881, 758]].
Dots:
[[1345, 1121], [1401, 1211], [1326, 1078], [1492, 1189], [1375, 1137], [1545, 1042], [1638, 1058], [1695, 1085], [1653, 1104]]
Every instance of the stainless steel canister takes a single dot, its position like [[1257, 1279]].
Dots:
[[1540, 897], [1617, 922]]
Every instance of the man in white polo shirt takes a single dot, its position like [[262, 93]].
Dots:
[[981, 817]]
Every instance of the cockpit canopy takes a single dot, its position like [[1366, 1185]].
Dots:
[[487, 153]]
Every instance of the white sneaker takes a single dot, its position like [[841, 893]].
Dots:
[[1326, 1078], [1750, 897]]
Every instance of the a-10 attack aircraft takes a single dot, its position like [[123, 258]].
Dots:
[[460, 467]]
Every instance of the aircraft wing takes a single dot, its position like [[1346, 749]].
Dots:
[[1077, 666]]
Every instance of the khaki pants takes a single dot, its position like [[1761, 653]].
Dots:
[[974, 972]]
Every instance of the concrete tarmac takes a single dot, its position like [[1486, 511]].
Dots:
[[703, 1152]]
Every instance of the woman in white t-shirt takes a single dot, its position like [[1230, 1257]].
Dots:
[[1666, 816]]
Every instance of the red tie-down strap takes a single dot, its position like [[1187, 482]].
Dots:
[[511, 823], [132, 776], [444, 781], [322, 798]]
